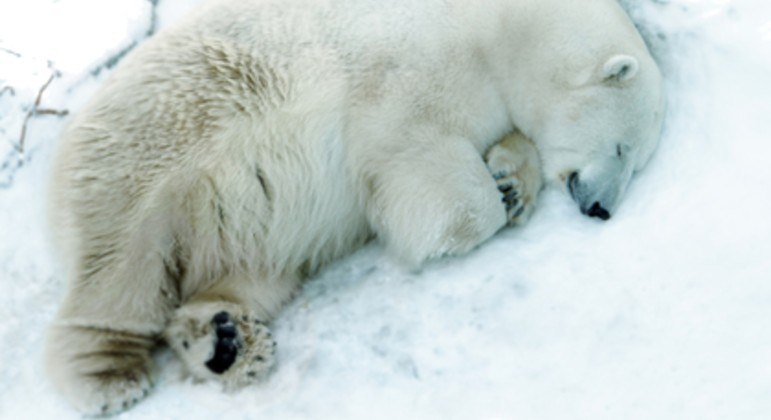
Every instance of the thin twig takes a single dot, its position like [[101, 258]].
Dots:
[[36, 110], [116, 58], [8, 167], [54, 112], [113, 60], [13, 53], [39, 97], [153, 18]]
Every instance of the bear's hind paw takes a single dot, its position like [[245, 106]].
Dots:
[[230, 346]]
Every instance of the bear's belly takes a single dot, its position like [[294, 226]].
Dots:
[[278, 209]]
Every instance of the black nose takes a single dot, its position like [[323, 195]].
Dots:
[[597, 211]]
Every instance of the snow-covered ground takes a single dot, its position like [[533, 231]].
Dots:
[[664, 312]]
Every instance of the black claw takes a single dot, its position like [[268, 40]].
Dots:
[[499, 175], [510, 204], [519, 212], [505, 188]]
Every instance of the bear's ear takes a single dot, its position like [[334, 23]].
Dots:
[[620, 68]]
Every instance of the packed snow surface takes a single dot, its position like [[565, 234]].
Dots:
[[664, 312]]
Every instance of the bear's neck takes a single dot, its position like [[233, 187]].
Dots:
[[511, 35], [537, 51]]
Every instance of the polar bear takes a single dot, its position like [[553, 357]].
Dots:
[[234, 154]]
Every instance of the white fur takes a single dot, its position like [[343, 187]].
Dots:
[[232, 155]]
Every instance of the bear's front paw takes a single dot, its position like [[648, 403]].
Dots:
[[517, 209], [515, 166], [230, 346]]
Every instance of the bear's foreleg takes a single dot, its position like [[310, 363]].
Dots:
[[516, 168], [434, 197]]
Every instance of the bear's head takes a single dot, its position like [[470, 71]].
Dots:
[[602, 127]]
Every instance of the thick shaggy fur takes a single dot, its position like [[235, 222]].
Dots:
[[232, 155]]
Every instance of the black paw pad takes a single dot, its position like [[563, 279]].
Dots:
[[221, 318], [226, 347]]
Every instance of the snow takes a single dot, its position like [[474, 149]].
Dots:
[[660, 313], [67, 33]]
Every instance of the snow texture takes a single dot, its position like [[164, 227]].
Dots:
[[661, 313]]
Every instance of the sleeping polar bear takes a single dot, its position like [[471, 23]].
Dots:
[[236, 153]]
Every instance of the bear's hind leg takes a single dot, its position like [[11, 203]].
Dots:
[[221, 333], [98, 351], [101, 371], [119, 298]]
